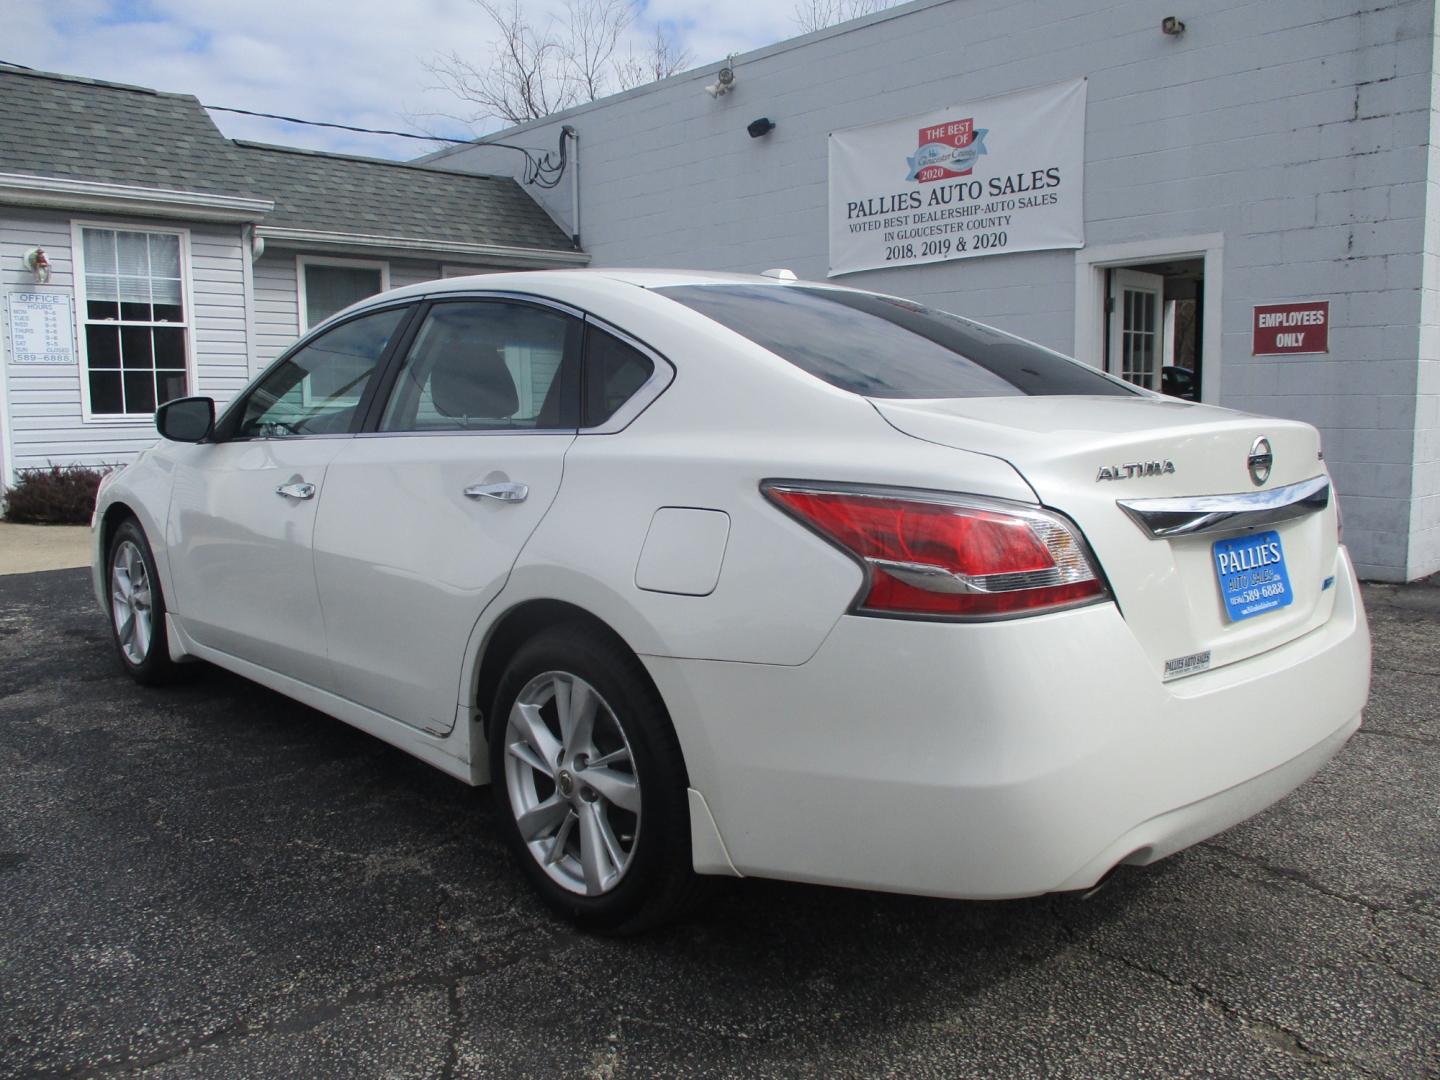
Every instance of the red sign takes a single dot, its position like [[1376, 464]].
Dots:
[[947, 150], [1282, 329]]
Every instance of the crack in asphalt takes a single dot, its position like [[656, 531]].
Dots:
[[1424, 740], [1300, 877], [454, 1020], [1407, 671], [607, 1060], [1272, 1033], [309, 1017]]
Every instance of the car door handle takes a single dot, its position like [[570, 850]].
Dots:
[[506, 492], [296, 491]]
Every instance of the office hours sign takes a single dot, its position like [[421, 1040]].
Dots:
[[41, 330], [1002, 174]]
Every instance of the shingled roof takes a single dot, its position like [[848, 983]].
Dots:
[[334, 193], [82, 129]]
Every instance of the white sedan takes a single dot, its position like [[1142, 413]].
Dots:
[[714, 574]]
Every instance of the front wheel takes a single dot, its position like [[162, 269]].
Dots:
[[137, 607], [590, 784]]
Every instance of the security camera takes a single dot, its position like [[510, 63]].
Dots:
[[716, 90]]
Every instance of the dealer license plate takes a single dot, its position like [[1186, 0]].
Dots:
[[1252, 575]]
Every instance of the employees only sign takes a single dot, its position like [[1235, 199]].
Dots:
[[1004, 174], [1302, 327]]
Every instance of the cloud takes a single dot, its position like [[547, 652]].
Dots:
[[360, 62]]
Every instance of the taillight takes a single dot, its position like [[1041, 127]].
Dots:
[[947, 556]]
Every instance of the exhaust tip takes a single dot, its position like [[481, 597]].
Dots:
[[1137, 857]]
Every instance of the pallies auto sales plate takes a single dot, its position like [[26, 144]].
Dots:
[[1252, 575]]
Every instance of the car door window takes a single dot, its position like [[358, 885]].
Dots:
[[487, 366], [613, 372], [316, 390]]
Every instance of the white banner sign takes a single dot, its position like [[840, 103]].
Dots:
[[1004, 174]]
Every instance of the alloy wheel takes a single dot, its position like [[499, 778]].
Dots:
[[131, 601], [572, 783]]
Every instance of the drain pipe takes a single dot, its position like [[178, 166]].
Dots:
[[574, 184]]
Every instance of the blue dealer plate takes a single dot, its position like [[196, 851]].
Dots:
[[1251, 571]]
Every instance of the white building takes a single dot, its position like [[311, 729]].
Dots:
[[1271, 152]]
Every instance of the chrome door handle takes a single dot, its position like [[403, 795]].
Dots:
[[296, 491], [506, 492]]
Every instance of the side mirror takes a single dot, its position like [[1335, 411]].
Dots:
[[186, 419]]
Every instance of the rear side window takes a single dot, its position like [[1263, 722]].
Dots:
[[613, 372], [487, 365], [883, 347]]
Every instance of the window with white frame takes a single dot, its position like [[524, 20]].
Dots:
[[328, 287], [135, 320]]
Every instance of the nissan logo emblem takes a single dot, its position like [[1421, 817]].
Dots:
[[1260, 460]]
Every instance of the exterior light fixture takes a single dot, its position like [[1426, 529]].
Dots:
[[1172, 26], [38, 265], [760, 127], [724, 79]]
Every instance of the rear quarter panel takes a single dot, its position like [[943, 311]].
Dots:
[[733, 416]]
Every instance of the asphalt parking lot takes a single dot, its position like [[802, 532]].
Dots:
[[211, 881]]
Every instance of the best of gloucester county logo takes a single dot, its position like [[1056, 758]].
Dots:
[[947, 150]]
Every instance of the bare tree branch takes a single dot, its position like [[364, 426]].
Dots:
[[594, 31], [660, 60], [812, 15], [529, 74], [534, 71]]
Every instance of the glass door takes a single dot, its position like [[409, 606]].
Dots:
[[1136, 320]]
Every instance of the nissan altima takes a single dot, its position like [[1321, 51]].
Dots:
[[729, 575]]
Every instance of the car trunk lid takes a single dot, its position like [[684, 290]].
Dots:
[[1085, 456]]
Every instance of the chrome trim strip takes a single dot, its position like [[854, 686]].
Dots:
[[449, 296], [1197, 515]]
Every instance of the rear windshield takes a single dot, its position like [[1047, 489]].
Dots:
[[880, 346]]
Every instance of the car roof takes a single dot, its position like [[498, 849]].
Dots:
[[553, 282]]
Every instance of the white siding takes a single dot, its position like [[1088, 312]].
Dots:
[[1297, 129], [218, 287], [277, 305], [45, 420]]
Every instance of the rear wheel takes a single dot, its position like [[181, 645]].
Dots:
[[590, 783], [137, 608]]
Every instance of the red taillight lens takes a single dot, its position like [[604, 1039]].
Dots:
[[934, 555]]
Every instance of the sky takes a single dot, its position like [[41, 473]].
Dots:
[[359, 62]]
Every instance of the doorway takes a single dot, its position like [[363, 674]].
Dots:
[[1154, 330], [1148, 311]]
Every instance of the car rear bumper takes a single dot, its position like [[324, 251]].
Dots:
[[1003, 759]]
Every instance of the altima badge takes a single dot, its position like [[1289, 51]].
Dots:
[[1134, 469], [1260, 460]]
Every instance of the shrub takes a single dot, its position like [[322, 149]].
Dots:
[[59, 495]]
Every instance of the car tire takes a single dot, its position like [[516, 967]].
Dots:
[[137, 606], [623, 861]]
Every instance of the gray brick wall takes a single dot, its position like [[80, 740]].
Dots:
[[1301, 130]]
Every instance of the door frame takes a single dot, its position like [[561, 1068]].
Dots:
[[1090, 266]]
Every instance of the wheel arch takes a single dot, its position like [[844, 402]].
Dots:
[[518, 625], [120, 503], [110, 520]]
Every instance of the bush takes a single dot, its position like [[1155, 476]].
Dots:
[[59, 495]]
